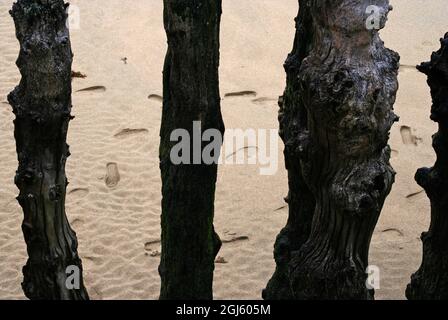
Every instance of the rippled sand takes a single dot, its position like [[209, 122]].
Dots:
[[114, 192]]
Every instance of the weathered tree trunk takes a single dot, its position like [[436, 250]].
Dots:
[[191, 93], [293, 127], [345, 93], [347, 84], [42, 105], [431, 280]]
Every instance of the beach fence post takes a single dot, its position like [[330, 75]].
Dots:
[[42, 105], [335, 118], [190, 95], [293, 126], [430, 282]]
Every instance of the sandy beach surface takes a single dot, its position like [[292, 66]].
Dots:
[[120, 46]]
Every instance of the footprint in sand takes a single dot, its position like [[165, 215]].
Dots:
[[94, 88], [427, 43], [78, 193], [408, 137], [265, 100], [155, 254], [150, 251], [235, 239], [247, 150], [221, 260], [246, 93], [155, 97], [128, 132], [76, 223], [150, 244], [112, 175], [281, 208], [77, 74], [232, 236], [414, 194], [392, 234]]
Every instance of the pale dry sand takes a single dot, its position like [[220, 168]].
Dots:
[[117, 220]]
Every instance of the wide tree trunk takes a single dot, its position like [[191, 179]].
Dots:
[[293, 126], [42, 105], [347, 82], [191, 93], [431, 280]]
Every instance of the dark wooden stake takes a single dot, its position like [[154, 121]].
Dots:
[[191, 93], [293, 127], [342, 113], [42, 105], [430, 282]]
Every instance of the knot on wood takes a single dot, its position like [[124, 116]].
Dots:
[[25, 175], [362, 192], [298, 144], [282, 248], [55, 193]]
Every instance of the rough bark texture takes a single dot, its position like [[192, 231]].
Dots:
[[42, 105], [191, 93], [338, 117], [293, 124], [431, 280]]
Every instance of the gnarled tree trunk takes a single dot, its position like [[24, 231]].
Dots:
[[42, 105], [293, 126], [347, 81], [431, 280], [348, 84], [191, 93]]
